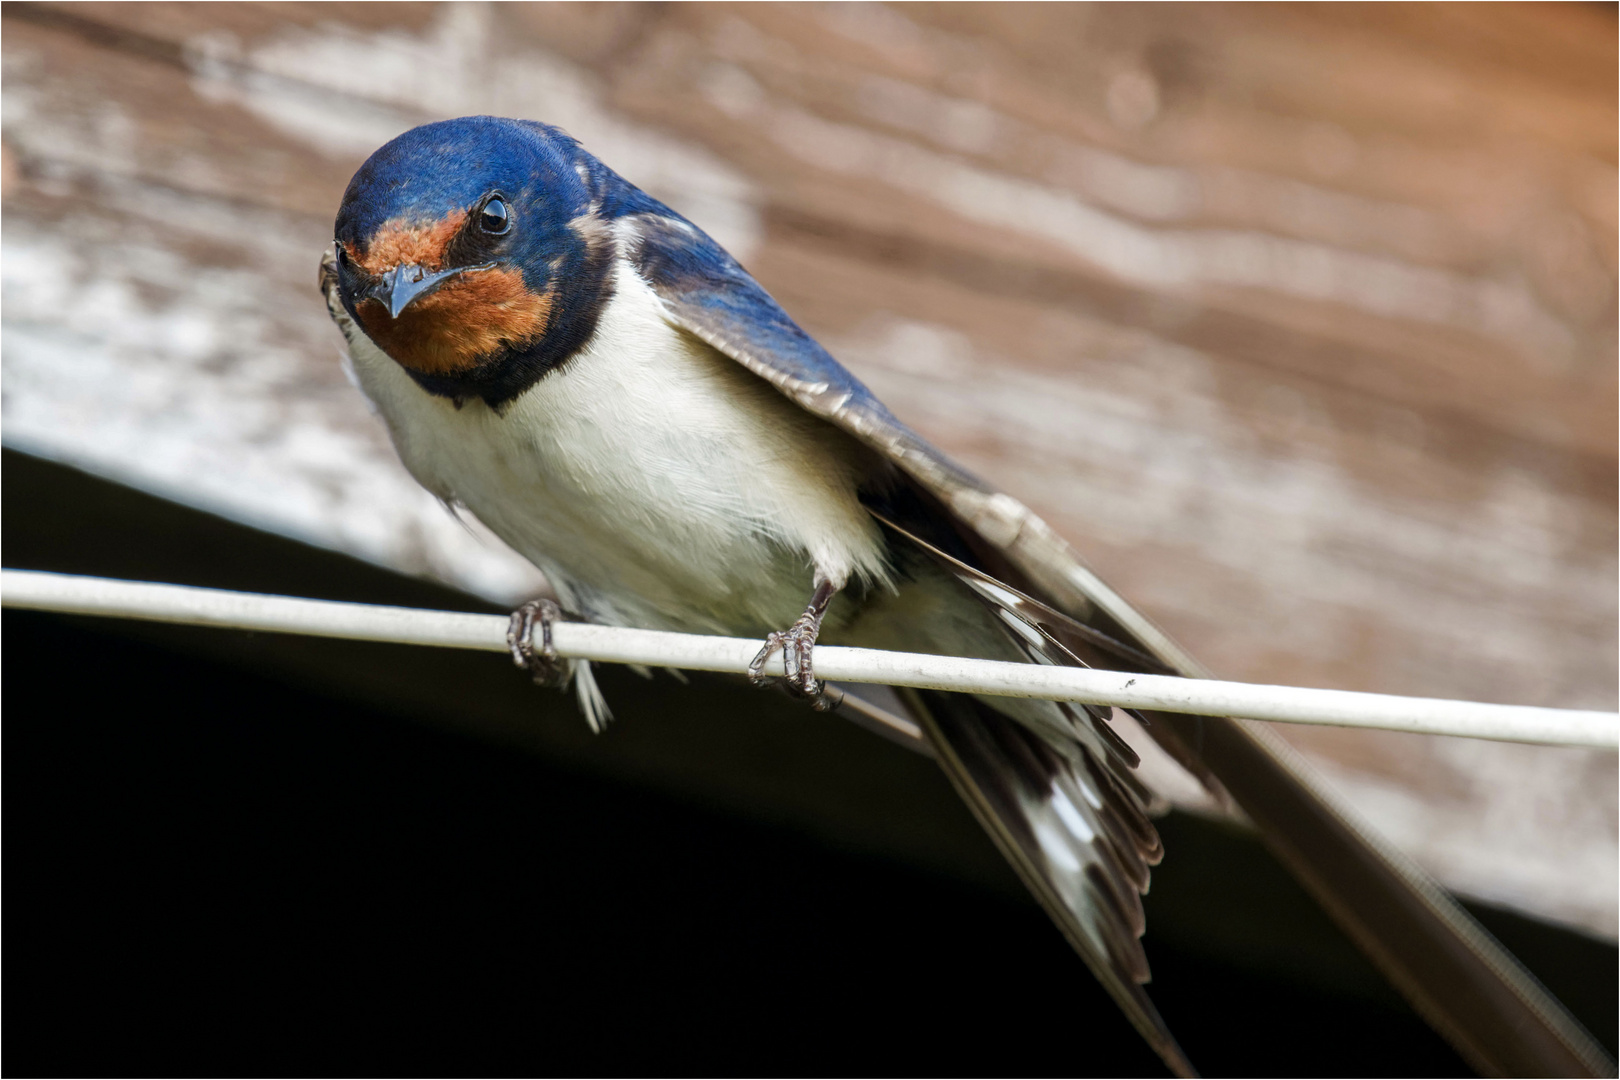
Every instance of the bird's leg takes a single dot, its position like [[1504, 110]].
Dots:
[[796, 643], [542, 666]]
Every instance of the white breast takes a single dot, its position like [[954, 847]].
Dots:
[[655, 481]]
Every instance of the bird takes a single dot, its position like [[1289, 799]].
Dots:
[[599, 382]]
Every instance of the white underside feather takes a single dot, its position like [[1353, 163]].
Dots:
[[653, 480]]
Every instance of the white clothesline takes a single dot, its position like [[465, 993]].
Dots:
[[410, 626]]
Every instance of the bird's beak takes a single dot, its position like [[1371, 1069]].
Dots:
[[407, 282]]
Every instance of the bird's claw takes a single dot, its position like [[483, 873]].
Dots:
[[796, 644], [542, 666]]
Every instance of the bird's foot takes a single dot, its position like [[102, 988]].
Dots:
[[796, 644], [542, 666]]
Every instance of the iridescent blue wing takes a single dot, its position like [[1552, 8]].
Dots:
[[707, 293]]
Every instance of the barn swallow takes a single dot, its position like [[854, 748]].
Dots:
[[607, 389]]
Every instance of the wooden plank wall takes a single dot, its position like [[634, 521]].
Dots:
[[1298, 320]]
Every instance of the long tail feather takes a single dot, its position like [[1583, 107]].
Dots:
[[1469, 988]]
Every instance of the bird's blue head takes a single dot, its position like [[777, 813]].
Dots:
[[468, 250]]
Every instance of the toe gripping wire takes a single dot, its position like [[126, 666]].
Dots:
[[796, 645], [543, 666]]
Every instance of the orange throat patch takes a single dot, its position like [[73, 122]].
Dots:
[[452, 329]]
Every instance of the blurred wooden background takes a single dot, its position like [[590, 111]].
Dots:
[[1300, 321]]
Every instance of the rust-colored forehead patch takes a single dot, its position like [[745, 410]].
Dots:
[[454, 329], [419, 245]]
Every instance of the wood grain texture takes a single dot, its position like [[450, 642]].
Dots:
[[1299, 321]]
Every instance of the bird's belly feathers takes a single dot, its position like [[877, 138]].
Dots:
[[656, 482]]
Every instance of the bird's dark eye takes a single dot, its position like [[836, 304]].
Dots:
[[494, 218]]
